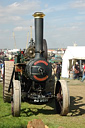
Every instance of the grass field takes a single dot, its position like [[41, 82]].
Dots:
[[74, 119]]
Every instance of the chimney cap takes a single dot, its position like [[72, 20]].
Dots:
[[38, 14]]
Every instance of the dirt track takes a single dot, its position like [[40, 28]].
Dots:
[[77, 97]]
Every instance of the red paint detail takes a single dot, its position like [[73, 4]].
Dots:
[[40, 79], [22, 52], [41, 61]]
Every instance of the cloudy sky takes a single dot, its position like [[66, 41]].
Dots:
[[64, 23]]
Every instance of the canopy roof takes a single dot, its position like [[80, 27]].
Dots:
[[75, 52], [72, 53]]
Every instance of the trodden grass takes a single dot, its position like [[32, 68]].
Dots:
[[44, 112]]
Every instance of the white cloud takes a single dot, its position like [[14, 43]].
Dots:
[[4, 32], [20, 28], [16, 4], [25, 7], [78, 4], [16, 17], [46, 5], [63, 25], [55, 8], [66, 29], [82, 13], [9, 19], [16, 11]]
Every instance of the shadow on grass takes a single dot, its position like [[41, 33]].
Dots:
[[5, 115], [30, 112], [43, 110], [76, 106]]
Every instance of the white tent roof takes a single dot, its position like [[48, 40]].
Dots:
[[72, 53], [77, 52]]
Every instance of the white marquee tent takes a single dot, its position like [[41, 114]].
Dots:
[[72, 54]]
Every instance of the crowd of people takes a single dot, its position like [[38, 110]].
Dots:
[[77, 73], [56, 70]]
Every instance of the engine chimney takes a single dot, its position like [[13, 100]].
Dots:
[[38, 34]]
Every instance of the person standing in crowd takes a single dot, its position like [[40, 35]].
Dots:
[[58, 71], [83, 77], [77, 71], [54, 68], [73, 69]]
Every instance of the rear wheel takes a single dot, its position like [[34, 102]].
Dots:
[[8, 69], [62, 100], [16, 98]]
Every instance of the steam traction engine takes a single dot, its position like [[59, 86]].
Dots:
[[27, 77]]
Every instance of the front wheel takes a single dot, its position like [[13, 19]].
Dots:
[[16, 98], [62, 99]]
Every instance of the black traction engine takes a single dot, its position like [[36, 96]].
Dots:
[[26, 78]]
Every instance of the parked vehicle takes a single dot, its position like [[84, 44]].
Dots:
[[26, 78]]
